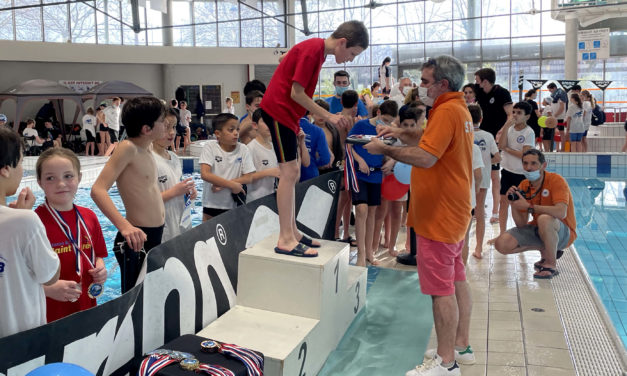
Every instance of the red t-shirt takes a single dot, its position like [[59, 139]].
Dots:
[[63, 248], [301, 64]]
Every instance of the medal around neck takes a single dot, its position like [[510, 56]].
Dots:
[[95, 290]]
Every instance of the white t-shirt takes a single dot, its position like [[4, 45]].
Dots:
[[230, 110], [169, 172], [488, 147], [263, 159], [112, 117], [186, 117], [477, 162], [516, 140], [30, 132], [576, 119], [226, 165], [26, 262], [587, 115], [89, 124]]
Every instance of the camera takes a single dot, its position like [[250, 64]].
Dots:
[[513, 196]]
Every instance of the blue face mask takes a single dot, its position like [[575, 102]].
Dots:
[[532, 175], [339, 90]]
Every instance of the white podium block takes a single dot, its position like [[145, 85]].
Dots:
[[294, 285], [283, 339]]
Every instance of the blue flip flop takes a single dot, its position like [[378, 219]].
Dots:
[[308, 242], [298, 251]]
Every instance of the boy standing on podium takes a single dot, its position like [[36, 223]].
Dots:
[[288, 97]]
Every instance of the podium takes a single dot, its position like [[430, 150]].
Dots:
[[294, 310]]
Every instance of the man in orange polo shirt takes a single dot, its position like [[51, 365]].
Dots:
[[440, 208], [546, 196]]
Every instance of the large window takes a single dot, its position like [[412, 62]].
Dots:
[[207, 23]]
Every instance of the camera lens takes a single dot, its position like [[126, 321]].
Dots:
[[512, 197]]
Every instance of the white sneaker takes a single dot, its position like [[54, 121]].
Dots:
[[466, 356], [433, 367]]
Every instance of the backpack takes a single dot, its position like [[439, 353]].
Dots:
[[598, 116]]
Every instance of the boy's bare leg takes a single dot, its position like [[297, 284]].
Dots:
[[285, 204], [480, 222], [361, 216], [496, 191], [380, 215], [346, 216], [466, 246], [395, 214], [503, 214], [341, 208], [372, 212]]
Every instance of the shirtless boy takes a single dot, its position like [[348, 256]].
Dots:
[[133, 168]]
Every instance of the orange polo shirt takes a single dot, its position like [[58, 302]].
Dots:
[[554, 190], [440, 196]]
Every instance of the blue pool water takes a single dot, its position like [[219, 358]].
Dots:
[[83, 198], [601, 243]]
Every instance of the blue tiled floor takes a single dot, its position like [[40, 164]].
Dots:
[[601, 212]]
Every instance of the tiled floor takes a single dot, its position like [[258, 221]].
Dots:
[[515, 328]]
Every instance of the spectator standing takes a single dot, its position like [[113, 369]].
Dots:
[[385, 75], [559, 105], [89, 125], [186, 119], [342, 83], [319, 153], [112, 119]]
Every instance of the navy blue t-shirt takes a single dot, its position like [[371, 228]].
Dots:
[[364, 127], [335, 105], [318, 149]]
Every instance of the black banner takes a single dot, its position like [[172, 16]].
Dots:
[[602, 84], [188, 282], [568, 84], [537, 84]]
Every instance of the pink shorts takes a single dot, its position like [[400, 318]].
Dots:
[[439, 265]]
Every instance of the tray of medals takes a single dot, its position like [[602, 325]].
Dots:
[[190, 353], [362, 139]]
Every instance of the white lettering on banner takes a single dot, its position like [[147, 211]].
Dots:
[[264, 223], [207, 254], [157, 286], [88, 353], [26, 367], [312, 211], [123, 345]]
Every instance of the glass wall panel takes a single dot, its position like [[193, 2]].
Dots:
[[228, 10], [525, 25], [549, 25], [553, 69], [438, 48], [330, 4], [495, 49], [383, 35], [524, 6], [526, 48], [495, 7], [83, 22], [409, 54], [153, 19], [182, 15], [273, 33], [247, 11], [109, 29], [228, 34], [495, 27], [380, 52], [326, 82], [129, 37], [359, 13], [530, 70], [466, 8], [471, 68], [553, 46], [6, 21], [385, 16], [616, 71], [412, 12], [330, 20], [439, 31], [410, 33], [467, 50], [618, 43], [251, 33], [467, 29], [55, 22], [502, 72], [441, 11], [28, 22]]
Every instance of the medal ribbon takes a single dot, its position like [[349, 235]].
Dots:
[[153, 364], [215, 370], [76, 243], [252, 361], [349, 173]]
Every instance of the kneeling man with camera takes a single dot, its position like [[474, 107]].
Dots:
[[546, 197]]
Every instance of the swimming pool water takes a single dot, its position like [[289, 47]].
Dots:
[[83, 198], [601, 243]]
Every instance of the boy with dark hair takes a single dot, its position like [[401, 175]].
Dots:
[[246, 130], [342, 83], [132, 167], [364, 177], [26, 258], [516, 138], [225, 166], [254, 85], [287, 99], [264, 159]]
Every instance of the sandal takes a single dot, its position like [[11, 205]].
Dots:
[[298, 251], [538, 264], [545, 269], [350, 240], [308, 242]]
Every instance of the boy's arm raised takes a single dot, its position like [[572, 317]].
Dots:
[[122, 156], [299, 96]]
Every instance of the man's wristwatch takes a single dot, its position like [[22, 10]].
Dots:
[[530, 209]]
